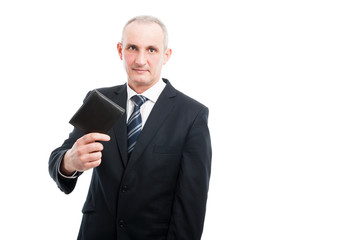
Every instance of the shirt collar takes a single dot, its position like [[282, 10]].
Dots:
[[152, 93]]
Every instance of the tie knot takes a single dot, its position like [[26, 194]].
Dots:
[[139, 100]]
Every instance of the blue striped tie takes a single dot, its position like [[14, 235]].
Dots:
[[134, 124]]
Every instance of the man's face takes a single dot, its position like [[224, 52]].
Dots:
[[143, 54]]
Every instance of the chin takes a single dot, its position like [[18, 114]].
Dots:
[[142, 81], [139, 81]]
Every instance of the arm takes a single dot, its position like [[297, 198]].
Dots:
[[77, 154], [56, 157], [189, 206]]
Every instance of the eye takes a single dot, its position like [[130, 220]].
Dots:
[[152, 50], [132, 47]]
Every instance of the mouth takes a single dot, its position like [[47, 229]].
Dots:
[[140, 70]]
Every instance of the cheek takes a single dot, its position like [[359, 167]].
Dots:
[[156, 62], [128, 59]]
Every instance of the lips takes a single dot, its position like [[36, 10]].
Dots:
[[140, 70]]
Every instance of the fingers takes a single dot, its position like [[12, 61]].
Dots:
[[92, 137], [90, 165], [89, 148], [83, 162], [87, 161], [90, 157], [86, 152]]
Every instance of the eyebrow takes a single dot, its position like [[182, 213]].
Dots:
[[130, 45], [154, 47], [147, 47]]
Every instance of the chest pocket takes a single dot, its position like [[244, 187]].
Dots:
[[168, 150]]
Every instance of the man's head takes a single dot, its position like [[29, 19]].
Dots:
[[144, 51], [149, 19]]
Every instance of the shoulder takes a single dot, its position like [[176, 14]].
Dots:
[[182, 99], [186, 109], [112, 90], [189, 101], [189, 105]]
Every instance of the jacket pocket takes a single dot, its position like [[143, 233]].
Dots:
[[167, 149], [89, 205]]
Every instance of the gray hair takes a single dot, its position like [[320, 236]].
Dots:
[[149, 19]]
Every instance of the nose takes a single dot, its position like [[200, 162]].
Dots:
[[141, 58]]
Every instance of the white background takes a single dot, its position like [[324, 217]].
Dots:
[[281, 79]]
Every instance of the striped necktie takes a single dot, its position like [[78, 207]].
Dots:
[[134, 124]]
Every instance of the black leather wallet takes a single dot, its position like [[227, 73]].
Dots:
[[97, 114]]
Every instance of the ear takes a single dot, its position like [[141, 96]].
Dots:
[[167, 55], [120, 48]]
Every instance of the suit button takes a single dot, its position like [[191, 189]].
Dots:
[[125, 188], [121, 224]]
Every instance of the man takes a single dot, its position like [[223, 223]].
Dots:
[[151, 181]]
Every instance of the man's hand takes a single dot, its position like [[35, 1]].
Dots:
[[84, 155]]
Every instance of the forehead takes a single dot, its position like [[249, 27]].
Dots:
[[143, 34]]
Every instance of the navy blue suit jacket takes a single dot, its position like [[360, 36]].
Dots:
[[161, 191]]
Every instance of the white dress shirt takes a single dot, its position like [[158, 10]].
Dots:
[[151, 94]]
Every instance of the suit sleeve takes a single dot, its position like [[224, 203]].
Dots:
[[66, 185], [189, 206]]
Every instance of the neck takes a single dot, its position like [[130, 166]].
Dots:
[[140, 88]]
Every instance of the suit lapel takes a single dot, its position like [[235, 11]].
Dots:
[[120, 129], [158, 114]]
